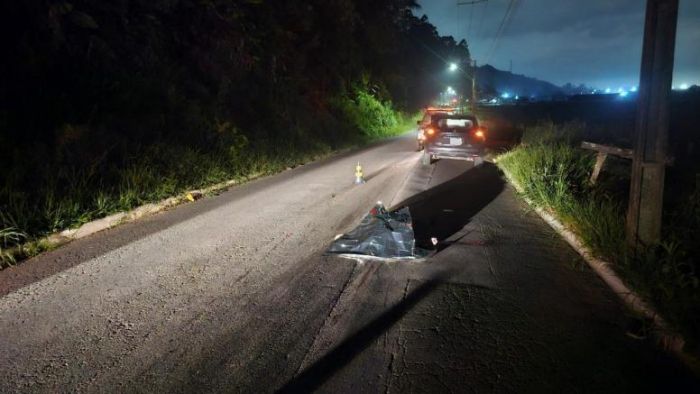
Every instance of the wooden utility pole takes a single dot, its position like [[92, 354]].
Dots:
[[652, 123], [473, 98]]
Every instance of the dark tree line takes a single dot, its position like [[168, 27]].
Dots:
[[143, 67], [88, 83]]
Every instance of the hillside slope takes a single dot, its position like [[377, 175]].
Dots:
[[492, 80]]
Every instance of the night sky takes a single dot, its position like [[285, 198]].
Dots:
[[596, 42]]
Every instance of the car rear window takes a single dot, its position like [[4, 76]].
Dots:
[[459, 124]]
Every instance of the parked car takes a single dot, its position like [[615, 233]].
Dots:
[[456, 137], [426, 121]]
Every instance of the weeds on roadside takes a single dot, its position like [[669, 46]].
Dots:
[[53, 194], [554, 173], [9, 237]]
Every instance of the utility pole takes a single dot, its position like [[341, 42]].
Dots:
[[644, 211], [473, 98]]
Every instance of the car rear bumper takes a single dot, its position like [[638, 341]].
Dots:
[[454, 153]]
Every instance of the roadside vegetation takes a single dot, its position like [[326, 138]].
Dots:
[[106, 106], [69, 197], [554, 174]]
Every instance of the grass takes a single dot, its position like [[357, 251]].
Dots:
[[157, 173], [9, 236], [52, 197], [554, 174]]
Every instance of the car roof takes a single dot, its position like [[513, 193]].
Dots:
[[432, 110], [453, 116]]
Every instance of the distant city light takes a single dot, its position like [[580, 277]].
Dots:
[[505, 95], [494, 101], [517, 97], [608, 90], [620, 90], [633, 89], [453, 67], [684, 86], [623, 93]]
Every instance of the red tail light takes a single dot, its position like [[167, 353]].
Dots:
[[430, 131], [480, 134]]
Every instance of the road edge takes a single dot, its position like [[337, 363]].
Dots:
[[667, 338], [63, 237]]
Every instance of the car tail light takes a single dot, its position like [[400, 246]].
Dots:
[[480, 134], [430, 131]]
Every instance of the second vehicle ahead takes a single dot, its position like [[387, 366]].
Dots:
[[426, 121], [457, 137]]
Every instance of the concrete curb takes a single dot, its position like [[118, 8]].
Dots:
[[666, 337], [63, 237]]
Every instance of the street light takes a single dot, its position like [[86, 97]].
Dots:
[[471, 77]]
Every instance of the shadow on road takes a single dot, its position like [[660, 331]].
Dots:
[[438, 212], [443, 210], [319, 372]]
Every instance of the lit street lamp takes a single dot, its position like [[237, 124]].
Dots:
[[471, 77]]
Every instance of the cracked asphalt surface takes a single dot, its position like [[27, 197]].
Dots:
[[233, 293]]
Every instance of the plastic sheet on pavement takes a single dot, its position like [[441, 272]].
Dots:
[[381, 234]]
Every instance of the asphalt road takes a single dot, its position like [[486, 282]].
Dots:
[[233, 293]]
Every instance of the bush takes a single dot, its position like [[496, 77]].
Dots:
[[373, 117]]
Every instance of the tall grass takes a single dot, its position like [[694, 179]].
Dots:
[[554, 174], [9, 237], [53, 196]]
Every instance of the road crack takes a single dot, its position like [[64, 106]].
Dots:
[[328, 320]]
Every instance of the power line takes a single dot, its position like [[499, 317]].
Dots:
[[470, 2], [471, 18], [501, 28], [499, 32], [471, 15], [483, 16]]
